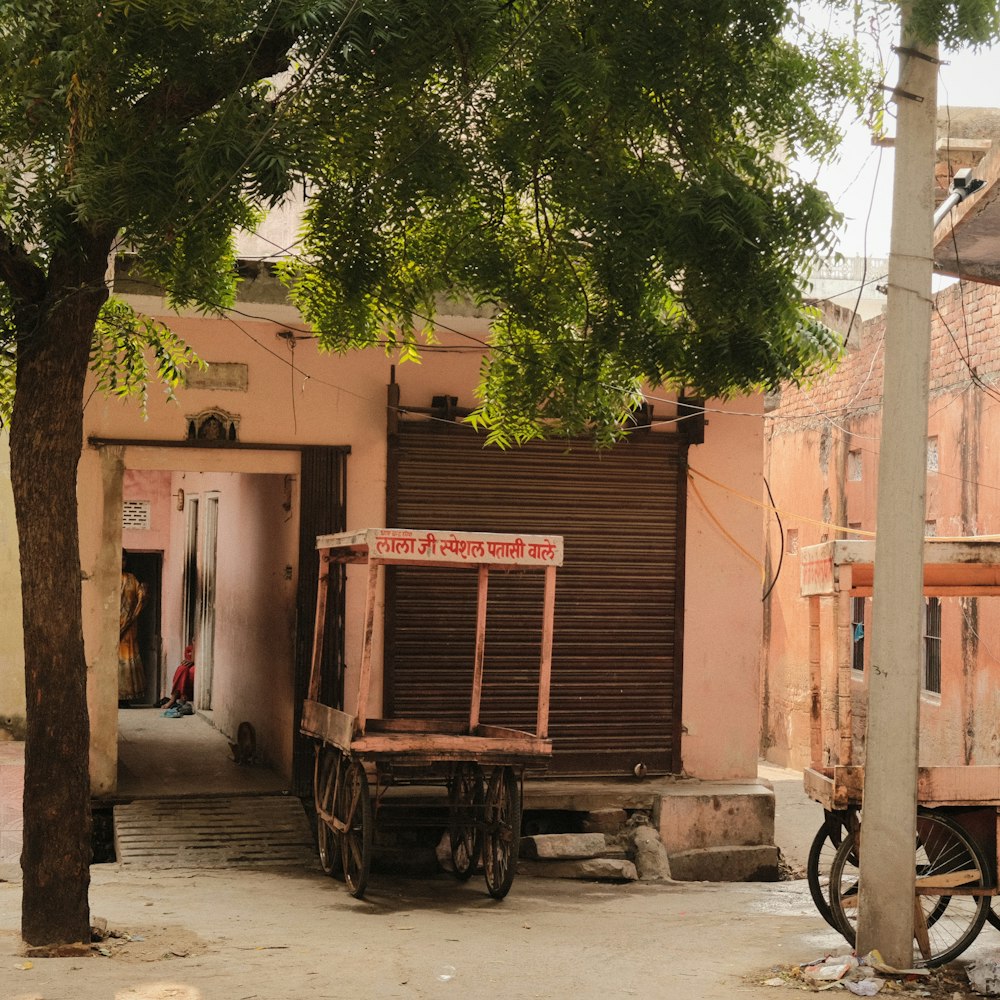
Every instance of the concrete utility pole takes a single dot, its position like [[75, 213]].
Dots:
[[885, 918]]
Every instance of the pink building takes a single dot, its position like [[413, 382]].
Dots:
[[217, 499], [821, 461]]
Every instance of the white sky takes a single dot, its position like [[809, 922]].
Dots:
[[971, 79]]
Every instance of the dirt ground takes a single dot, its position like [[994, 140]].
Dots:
[[269, 935], [295, 934], [272, 935]]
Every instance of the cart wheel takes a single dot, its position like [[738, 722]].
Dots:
[[354, 809], [946, 925], [820, 861], [821, 853], [465, 805], [501, 832], [324, 788]]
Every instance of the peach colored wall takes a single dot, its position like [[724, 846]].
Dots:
[[809, 439], [297, 396], [722, 599], [153, 487]]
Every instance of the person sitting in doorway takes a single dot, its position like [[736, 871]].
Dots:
[[181, 689]]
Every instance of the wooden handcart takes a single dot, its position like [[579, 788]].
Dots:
[[958, 806], [482, 766]]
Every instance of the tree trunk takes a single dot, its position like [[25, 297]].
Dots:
[[54, 337]]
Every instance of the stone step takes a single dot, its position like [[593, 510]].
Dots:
[[570, 846], [757, 863], [588, 869]]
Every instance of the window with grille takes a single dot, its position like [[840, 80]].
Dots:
[[932, 645], [858, 633], [135, 514]]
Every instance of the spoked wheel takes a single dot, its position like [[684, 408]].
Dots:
[[824, 846], [946, 857], [501, 831], [324, 790], [465, 806], [354, 811]]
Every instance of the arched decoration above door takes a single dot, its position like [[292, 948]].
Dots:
[[213, 425]]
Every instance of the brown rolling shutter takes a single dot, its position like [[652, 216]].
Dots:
[[323, 487], [616, 656]]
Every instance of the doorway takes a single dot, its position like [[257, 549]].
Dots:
[[236, 551], [148, 570]]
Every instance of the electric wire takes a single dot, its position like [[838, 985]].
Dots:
[[480, 345], [770, 507], [781, 538], [864, 247], [828, 524], [977, 381], [485, 346], [722, 528]]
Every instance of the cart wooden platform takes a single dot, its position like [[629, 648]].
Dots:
[[959, 807], [481, 766]]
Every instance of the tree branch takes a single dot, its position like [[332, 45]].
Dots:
[[261, 55], [24, 278]]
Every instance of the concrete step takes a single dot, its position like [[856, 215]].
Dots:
[[703, 815], [757, 863]]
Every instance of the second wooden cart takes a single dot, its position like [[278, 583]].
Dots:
[[482, 766], [956, 848]]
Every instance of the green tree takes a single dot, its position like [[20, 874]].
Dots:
[[600, 172]]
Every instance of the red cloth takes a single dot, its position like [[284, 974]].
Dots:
[[183, 683]]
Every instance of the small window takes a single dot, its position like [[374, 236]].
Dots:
[[855, 467], [792, 541], [858, 633], [930, 529], [932, 454], [932, 645], [135, 515]]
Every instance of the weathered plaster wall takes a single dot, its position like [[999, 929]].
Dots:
[[839, 416], [722, 601], [154, 488], [99, 493]]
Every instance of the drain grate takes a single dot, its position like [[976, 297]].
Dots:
[[213, 832]]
